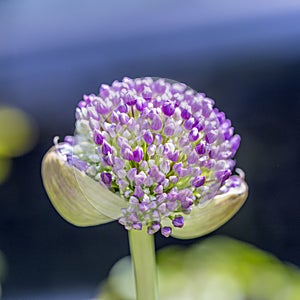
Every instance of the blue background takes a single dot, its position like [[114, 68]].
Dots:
[[245, 55]]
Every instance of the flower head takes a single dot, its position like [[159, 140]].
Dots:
[[160, 155]]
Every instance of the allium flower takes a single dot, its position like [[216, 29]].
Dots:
[[150, 153]]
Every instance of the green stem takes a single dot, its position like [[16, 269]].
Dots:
[[143, 257]]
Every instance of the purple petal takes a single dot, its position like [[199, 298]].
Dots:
[[198, 181], [138, 154], [168, 109], [98, 138], [178, 221], [166, 231], [106, 178]]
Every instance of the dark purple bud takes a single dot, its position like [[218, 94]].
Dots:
[[221, 117], [77, 163], [138, 192], [117, 85], [183, 194], [198, 181], [178, 88], [140, 178], [129, 99], [88, 98], [226, 175], [209, 164], [106, 148], [123, 118], [69, 140], [137, 226], [169, 129], [199, 126], [148, 137], [166, 231], [173, 156], [158, 177], [98, 138], [159, 189], [151, 114], [128, 81], [193, 157], [123, 108], [167, 148], [147, 93], [158, 139], [206, 109], [127, 153], [177, 167], [153, 228], [104, 90], [183, 141], [133, 216], [189, 124], [213, 153], [139, 85], [81, 104], [195, 106], [114, 117], [228, 133], [185, 114], [140, 105], [223, 175], [173, 179], [172, 205], [184, 172], [193, 135], [178, 221], [156, 122], [131, 174], [211, 137], [235, 143], [102, 107], [108, 159], [200, 148], [151, 150], [138, 154], [159, 86], [106, 178], [165, 166], [168, 109], [235, 181], [186, 203], [144, 207]]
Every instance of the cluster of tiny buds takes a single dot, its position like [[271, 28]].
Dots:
[[158, 144]]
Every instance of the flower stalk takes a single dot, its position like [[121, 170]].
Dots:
[[144, 263]]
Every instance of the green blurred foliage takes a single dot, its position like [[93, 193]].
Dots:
[[18, 135], [217, 268]]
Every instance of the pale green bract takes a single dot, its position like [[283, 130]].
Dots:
[[96, 205]]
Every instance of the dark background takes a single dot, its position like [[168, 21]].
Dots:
[[244, 55]]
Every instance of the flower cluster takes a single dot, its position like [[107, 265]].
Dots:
[[158, 144]]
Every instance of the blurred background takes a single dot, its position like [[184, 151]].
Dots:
[[245, 55]]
